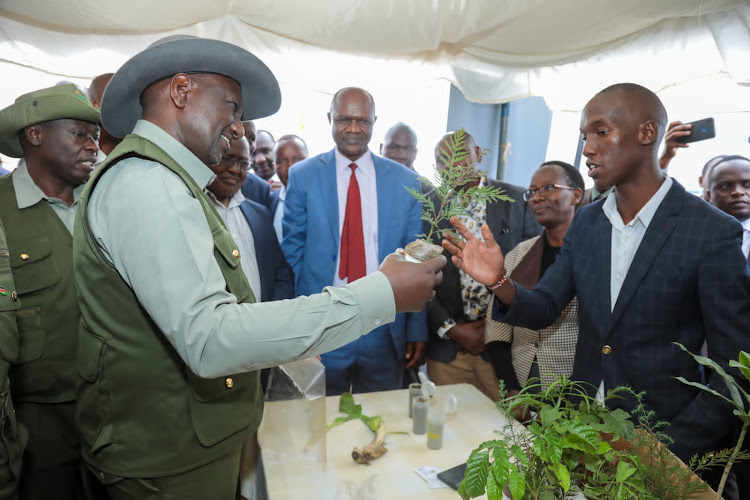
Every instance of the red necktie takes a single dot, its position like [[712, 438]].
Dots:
[[352, 239]]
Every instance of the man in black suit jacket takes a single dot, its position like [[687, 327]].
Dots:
[[682, 279], [254, 188], [456, 350]]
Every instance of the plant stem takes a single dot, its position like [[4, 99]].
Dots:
[[729, 464]]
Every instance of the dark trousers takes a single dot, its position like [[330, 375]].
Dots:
[[52, 466]]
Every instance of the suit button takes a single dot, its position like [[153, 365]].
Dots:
[[229, 382], [14, 295], [236, 253], [24, 256], [606, 349]]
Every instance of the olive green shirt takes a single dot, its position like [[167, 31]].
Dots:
[[29, 194], [155, 234]]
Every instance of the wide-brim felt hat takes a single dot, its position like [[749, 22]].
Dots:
[[44, 105], [121, 102]]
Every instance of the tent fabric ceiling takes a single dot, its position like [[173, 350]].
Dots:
[[494, 51]]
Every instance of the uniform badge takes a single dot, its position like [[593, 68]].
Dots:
[[2, 291]]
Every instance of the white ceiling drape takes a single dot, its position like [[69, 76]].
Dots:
[[493, 50]]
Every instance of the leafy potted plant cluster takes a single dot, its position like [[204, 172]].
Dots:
[[458, 182], [577, 447]]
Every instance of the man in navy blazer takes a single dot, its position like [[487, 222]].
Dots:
[[253, 187], [651, 265], [313, 221]]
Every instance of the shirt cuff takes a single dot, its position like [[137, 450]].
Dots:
[[376, 301]]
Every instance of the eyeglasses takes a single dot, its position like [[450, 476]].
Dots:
[[545, 190], [226, 163]]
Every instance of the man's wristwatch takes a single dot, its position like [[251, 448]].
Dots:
[[443, 330]]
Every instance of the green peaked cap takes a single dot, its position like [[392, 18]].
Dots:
[[53, 103]]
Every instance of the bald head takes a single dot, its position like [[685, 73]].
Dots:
[[473, 151], [639, 103], [400, 145], [352, 117], [96, 89]]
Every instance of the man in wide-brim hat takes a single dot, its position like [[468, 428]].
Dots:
[[56, 131], [171, 339]]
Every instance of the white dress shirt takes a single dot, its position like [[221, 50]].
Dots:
[[278, 214], [626, 238], [368, 193], [746, 237], [242, 234]]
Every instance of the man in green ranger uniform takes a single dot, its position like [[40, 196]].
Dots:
[[56, 131], [10, 440], [171, 338]]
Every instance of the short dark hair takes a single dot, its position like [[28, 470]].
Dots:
[[723, 160], [573, 174]]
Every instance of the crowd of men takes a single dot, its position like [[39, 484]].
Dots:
[[157, 252]]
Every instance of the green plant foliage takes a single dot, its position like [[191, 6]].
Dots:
[[738, 398], [452, 179], [346, 405]]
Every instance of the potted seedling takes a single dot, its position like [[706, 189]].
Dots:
[[458, 182]]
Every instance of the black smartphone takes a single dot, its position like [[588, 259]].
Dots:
[[702, 129], [453, 477]]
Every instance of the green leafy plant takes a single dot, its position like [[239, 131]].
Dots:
[[457, 182], [740, 400], [570, 446]]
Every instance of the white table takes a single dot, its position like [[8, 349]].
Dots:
[[390, 477]]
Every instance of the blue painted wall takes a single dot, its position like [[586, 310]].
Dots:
[[521, 126]]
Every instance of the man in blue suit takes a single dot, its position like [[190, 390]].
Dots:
[[651, 265], [253, 187], [314, 218]]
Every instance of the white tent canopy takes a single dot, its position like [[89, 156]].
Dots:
[[494, 51]]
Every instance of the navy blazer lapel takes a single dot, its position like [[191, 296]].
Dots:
[[385, 194], [656, 236], [328, 192], [597, 253]]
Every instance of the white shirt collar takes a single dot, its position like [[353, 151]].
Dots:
[[234, 201], [644, 215], [364, 162]]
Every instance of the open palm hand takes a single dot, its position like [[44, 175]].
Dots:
[[482, 260]]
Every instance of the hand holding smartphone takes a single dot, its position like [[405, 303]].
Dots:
[[700, 130]]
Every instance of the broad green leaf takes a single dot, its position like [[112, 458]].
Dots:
[[540, 449], [585, 432], [563, 475], [462, 490], [624, 471], [548, 416], [618, 422], [372, 422], [517, 485], [346, 403], [576, 442], [554, 445], [604, 447], [475, 478], [742, 364], [501, 466], [494, 489]]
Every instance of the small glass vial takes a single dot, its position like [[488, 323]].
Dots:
[[435, 428], [419, 414], [415, 390]]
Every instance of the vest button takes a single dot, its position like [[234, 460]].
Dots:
[[229, 382], [236, 253], [14, 295], [24, 256], [606, 349]]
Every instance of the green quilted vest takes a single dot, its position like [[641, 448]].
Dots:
[[41, 257], [141, 411]]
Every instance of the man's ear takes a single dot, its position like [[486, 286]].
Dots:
[[577, 196], [381, 149], [707, 195], [648, 132], [329, 118], [33, 134], [478, 151], [179, 88]]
